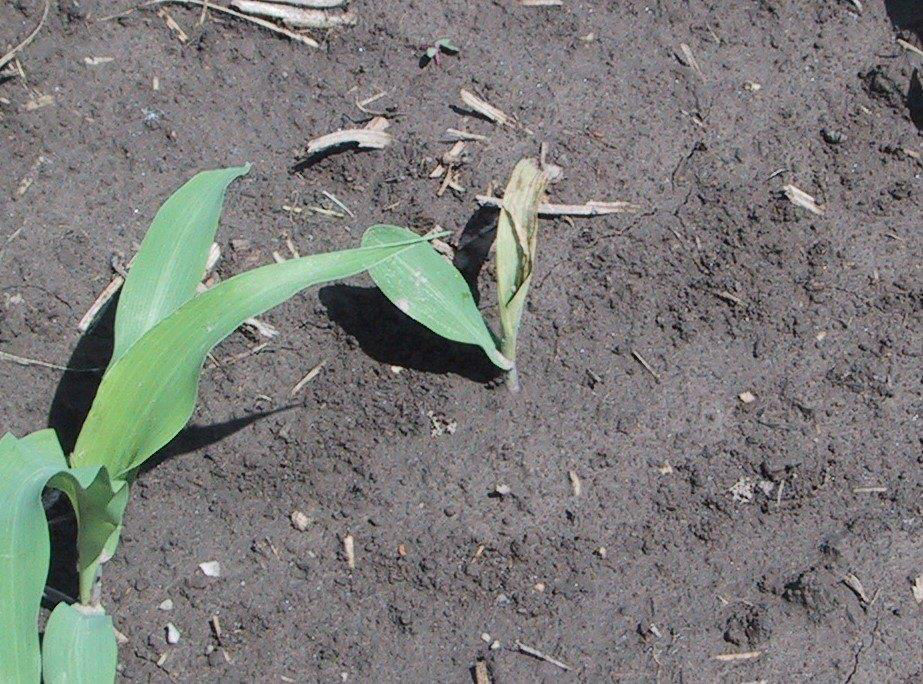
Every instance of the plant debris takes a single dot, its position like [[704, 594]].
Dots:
[[535, 653], [484, 109], [587, 209], [296, 17], [802, 199]]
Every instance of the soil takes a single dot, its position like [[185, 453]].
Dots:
[[705, 525]]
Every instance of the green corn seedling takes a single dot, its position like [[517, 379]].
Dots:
[[426, 287], [163, 332]]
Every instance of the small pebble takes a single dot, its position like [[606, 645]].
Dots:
[[539, 587], [210, 568], [300, 521], [503, 489], [601, 552], [746, 397], [485, 637], [166, 604], [495, 645], [172, 634]]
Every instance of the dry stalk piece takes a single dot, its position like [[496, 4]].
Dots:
[[910, 47], [480, 673], [311, 374], [541, 3], [484, 109], [535, 653], [362, 138], [28, 39], [588, 209], [306, 40], [349, 548], [800, 198], [575, 483], [453, 134], [687, 58], [640, 359], [172, 25], [296, 17], [851, 581], [733, 657], [314, 4]]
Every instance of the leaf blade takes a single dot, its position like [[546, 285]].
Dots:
[[147, 396], [79, 646], [171, 260], [426, 287], [25, 466]]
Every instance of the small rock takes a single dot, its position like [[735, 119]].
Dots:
[[450, 511], [495, 645], [485, 637], [166, 604], [746, 397], [172, 634], [300, 521], [539, 587], [210, 568], [832, 136], [502, 489], [601, 552]]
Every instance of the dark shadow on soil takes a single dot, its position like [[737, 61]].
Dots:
[[474, 246], [906, 15], [389, 336], [311, 160], [915, 98]]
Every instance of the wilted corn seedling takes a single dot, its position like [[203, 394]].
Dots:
[[429, 289]]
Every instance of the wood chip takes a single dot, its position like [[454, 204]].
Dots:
[[918, 590], [96, 61], [575, 483], [802, 199], [535, 653], [484, 109], [296, 17], [311, 374], [734, 657], [588, 209], [349, 548], [869, 490]]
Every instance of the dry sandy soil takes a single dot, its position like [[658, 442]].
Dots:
[[705, 526]]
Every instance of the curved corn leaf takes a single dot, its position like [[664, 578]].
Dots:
[[171, 260], [517, 234], [430, 290], [79, 646], [27, 465], [146, 397]]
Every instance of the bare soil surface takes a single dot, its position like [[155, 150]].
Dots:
[[705, 526]]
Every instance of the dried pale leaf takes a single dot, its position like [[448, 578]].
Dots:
[[589, 209], [802, 199], [484, 109], [517, 234], [296, 17]]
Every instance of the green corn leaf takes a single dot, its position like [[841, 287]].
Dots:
[[430, 290], [146, 397], [171, 261], [27, 465], [517, 234], [79, 646]]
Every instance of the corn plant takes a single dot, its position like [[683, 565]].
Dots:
[[163, 332], [426, 287]]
